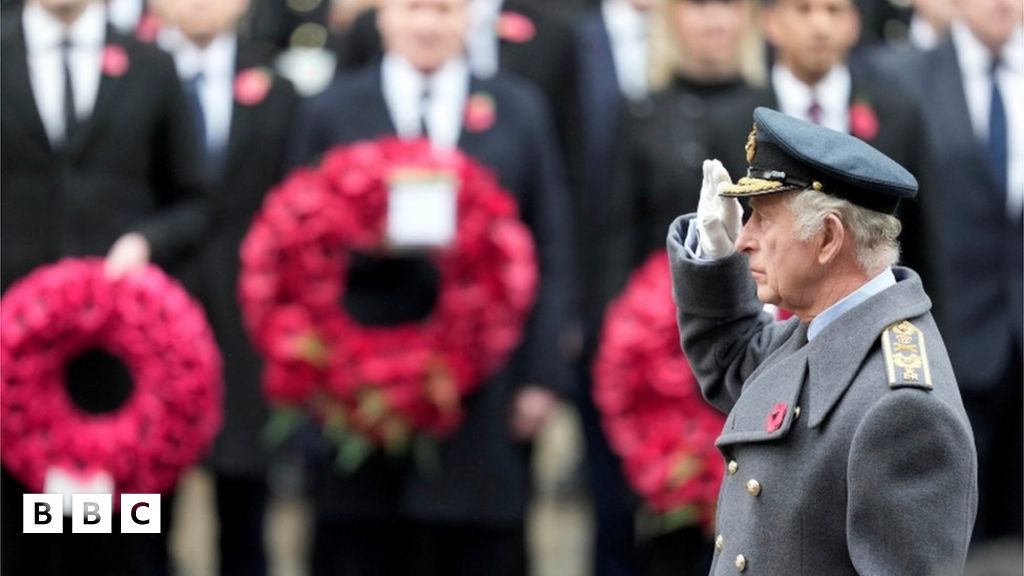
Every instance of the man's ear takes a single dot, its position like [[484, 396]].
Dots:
[[833, 238]]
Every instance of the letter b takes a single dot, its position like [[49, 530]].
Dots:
[[90, 513], [42, 514]]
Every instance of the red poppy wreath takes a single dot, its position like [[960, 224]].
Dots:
[[652, 410], [382, 385], [147, 321]]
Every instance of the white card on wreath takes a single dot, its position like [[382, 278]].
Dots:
[[422, 209], [62, 481]]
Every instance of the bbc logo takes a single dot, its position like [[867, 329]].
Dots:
[[90, 513]]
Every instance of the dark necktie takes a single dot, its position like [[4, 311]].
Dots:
[[424, 110], [195, 103], [814, 111], [70, 115], [997, 149]]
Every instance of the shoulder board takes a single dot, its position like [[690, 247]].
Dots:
[[906, 361]]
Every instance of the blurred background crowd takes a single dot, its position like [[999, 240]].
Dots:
[[600, 115]]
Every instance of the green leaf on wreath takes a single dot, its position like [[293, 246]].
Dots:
[[687, 515], [352, 452], [313, 349], [426, 452], [283, 422], [396, 436], [372, 406]]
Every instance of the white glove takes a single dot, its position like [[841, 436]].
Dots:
[[719, 218]]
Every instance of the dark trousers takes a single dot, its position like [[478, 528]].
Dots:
[[998, 430], [400, 548], [241, 511], [469, 550], [614, 504], [361, 548]]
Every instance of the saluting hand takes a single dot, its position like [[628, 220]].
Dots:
[[719, 218]]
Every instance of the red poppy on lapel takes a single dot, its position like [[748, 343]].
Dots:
[[863, 121], [480, 112], [148, 28], [115, 60], [515, 27], [252, 86], [777, 416]]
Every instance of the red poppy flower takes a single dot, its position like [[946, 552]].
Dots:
[[114, 61], [252, 86], [148, 29], [776, 417], [480, 113], [651, 407], [515, 27], [160, 334], [863, 121]]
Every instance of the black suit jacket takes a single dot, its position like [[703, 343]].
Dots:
[[133, 165], [483, 472], [981, 245], [254, 163]]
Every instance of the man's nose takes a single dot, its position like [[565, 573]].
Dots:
[[744, 243]]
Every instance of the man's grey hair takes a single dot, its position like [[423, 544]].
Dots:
[[874, 233]]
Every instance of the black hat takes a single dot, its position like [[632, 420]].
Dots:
[[786, 153]]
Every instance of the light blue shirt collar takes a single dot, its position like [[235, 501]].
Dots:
[[884, 280]]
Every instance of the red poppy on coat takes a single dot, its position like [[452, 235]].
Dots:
[[863, 121], [777, 416], [148, 28], [515, 27], [480, 112], [115, 60], [252, 86]]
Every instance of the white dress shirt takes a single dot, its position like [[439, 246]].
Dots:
[[975, 63], [831, 92], [216, 92], [482, 37], [403, 88], [43, 37], [627, 30]]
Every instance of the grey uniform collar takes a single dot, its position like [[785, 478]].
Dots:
[[837, 353]]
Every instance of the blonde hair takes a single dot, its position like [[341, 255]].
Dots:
[[665, 57], [875, 234]]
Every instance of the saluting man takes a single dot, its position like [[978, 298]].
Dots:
[[847, 446]]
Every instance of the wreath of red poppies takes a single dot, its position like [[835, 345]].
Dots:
[[146, 320], [385, 383], [651, 406]]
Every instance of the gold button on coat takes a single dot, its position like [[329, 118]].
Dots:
[[796, 413], [753, 487], [733, 467], [719, 542], [741, 562]]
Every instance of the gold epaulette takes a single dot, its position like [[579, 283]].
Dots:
[[906, 361]]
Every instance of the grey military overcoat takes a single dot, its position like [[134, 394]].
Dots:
[[841, 458]]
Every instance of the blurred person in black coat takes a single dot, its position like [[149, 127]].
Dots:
[[976, 145], [705, 60], [243, 115], [391, 517], [107, 165]]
